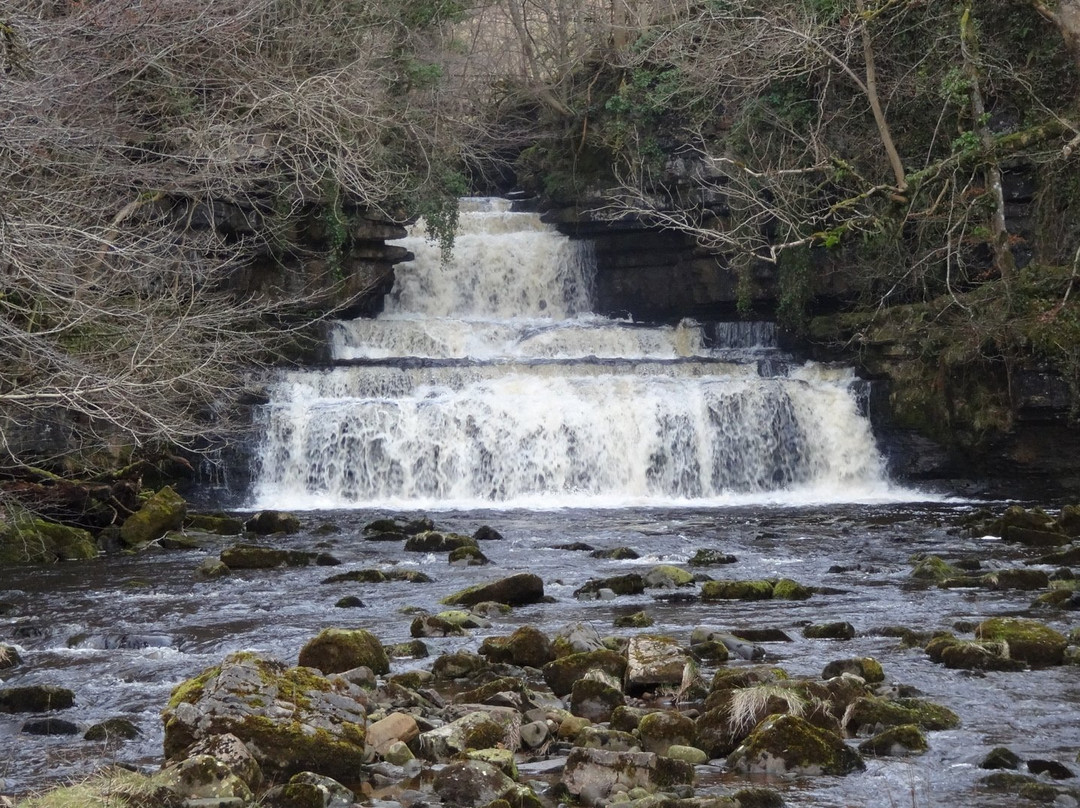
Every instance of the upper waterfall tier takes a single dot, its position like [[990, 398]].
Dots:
[[487, 381]]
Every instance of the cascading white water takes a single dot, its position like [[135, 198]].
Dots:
[[487, 381]]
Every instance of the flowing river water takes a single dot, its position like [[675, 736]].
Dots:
[[488, 394]]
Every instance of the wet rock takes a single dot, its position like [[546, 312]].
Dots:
[[433, 541], [899, 741], [335, 650], [49, 726], [217, 525], [291, 719], [866, 668], [576, 638], [592, 773], [972, 655], [616, 554], [787, 589], [211, 568], [788, 745], [653, 660], [398, 753], [162, 512], [256, 557], [934, 569], [467, 557], [830, 631], [560, 674], [1028, 640], [429, 625], [705, 557], [487, 533], [204, 777], [757, 797], [265, 523], [1034, 527], [733, 645], [174, 540], [526, 647], [665, 576], [1051, 768], [327, 560], [35, 699], [737, 590], [635, 620], [112, 730], [24, 538], [413, 649], [1025, 580], [458, 665], [505, 691], [868, 716], [463, 619], [662, 729], [595, 698], [575, 547], [535, 734], [349, 602], [516, 590], [612, 740], [631, 584], [479, 729], [1000, 758]]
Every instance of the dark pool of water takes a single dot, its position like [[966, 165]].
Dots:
[[122, 632]]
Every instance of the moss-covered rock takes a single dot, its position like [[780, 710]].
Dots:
[[868, 716], [971, 654], [336, 650], [112, 730], [526, 646], [661, 729], [265, 523], [291, 719], [788, 744], [458, 665], [594, 772], [899, 741], [256, 557], [560, 674], [867, 668], [468, 556], [830, 631], [515, 590], [217, 525], [595, 698], [25, 539], [654, 660], [433, 541], [705, 557], [162, 512], [430, 625], [617, 554], [666, 576], [630, 584], [787, 589], [935, 570], [1028, 640], [635, 620], [35, 699], [737, 590]]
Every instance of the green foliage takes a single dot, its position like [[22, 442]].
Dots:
[[440, 209], [796, 291]]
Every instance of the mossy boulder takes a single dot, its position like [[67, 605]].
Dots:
[[112, 730], [899, 741], [204, 777], [662, 729], [866, 668], [787, 589], [290, 719], [26, 539], [433, 541], [869, 716], [265, 523], [971, 654], [935, 570], [705, 557], [430, 625], [636, 620], [1028, 640], [595, 698], [560, 674], [1033, 527], [737, 590], [256, 557], [593, 773], [458, 665], [830, 631], [630, 584], [162, 512], [617, 554], [787, 744], [217, 525], [468, 556], [526, 646], [515, 590], [653, 660], [9, 657], [666, 576], [35, 699], [335, 650]]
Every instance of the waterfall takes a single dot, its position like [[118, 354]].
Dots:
[[487, 382]]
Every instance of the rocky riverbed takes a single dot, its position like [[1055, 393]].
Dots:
[[823, 657]]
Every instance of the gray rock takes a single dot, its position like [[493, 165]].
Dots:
[[592, 773]]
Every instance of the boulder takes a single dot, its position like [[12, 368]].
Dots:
[[866, 668], [487, 533], [972, 654], [162, 512], [49, 726], [631, 584], [515, 590], [560, 674], [932, 568], [1028, 640], [665, 576], [9, 657], [476, 783], [479, 729], [265, 523], [787, 589], [616, 554], [231, 751], [24, 538], [112, 730], [458, 665], [576, 638], [1000, 757], [653, 660], [211, 568], [705, 557], [311, 790], [204, 777], [217, 525], [255, 557], [662, 729], [290, 719], [468, 556], [737, 590], [789, 745], [335, 650], [900, 741], [595, 698], [635, 620], [830, 631], [413, 649], [432, 541], [391, 729], [35, 699], [590, 774], [525, 647], [430, 625], [868, 716], [612, 740]]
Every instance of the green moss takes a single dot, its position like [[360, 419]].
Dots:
[[787, 589], [802, 747], [337, 650], [932, 568], [906, 739], [24, 538], [1028, 640], [164, 511], [560, 674], [737, 590]]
